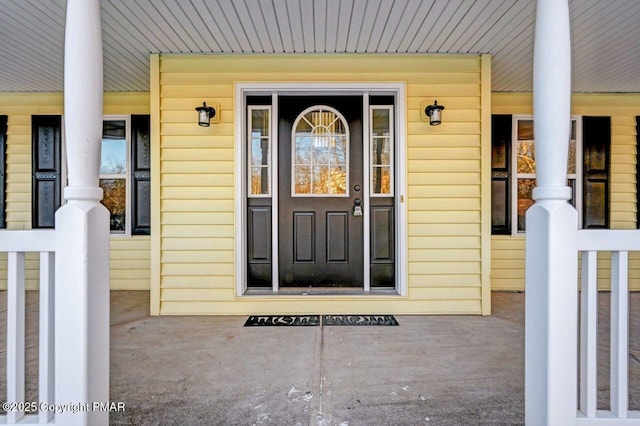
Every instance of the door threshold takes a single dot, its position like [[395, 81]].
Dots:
[[322, 291]]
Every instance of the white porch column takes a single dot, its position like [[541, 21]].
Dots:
[[82, 229], [551, 245]]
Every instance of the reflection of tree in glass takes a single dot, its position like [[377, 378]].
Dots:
[[381, 180], [525, 199], [320, 143], [571, 162], [338, 180], [259, 180], [114, 199], [526, 157], [320, 180], [303, 180]]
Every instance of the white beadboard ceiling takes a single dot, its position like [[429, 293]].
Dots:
[[605, 36]]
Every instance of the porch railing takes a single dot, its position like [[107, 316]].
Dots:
[[16, 244], [619, 243]]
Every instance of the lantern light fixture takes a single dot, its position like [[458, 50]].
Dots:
[[434, 112], [205, 114]]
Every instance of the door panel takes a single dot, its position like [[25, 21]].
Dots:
[[382, 237], [337, 236], [320, 240], [304, 235]]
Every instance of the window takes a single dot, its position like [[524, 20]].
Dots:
[[524, 159], [114, 176], [124, 172], [514, 171], [320, 153], [382, 143], [259, 150], [125, 168]]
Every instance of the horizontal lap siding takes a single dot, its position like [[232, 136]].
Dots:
[[197, 169], [507, 263], [129, 257], [507, 272], [197, 173]]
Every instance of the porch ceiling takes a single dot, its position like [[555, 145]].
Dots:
[[605, 36]]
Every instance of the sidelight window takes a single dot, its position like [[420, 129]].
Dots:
[[259, 151], [381, 154]]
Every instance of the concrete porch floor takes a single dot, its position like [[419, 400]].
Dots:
[[431, 370]]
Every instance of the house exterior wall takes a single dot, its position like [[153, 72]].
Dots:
[[194, 174], [130, 256], [508, 255]]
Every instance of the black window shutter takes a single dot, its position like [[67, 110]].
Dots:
[[46, 164], [596, 142], [500, 174], [3, 167], [141, 174]]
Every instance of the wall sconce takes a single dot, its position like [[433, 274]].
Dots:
[[205, 114], [434, 112]]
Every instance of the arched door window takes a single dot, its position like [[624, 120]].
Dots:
[[320, 154]]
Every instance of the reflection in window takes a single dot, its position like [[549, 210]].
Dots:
[[381, 150], [320, 153], [526, 167], [113, 172], [260, 145]]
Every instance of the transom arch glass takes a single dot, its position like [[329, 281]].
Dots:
[[320, 153]]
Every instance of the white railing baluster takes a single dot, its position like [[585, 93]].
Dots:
[[47, 330], [588, 334], [16, 244], [15, 334], [619, 334], [619, 243]]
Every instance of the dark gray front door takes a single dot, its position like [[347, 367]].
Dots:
[[320, 191]]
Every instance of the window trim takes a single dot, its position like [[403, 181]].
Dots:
[[128, 196], [515, 176]]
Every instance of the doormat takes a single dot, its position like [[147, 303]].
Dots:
[[282, 320], [359, 320], [314, 320]]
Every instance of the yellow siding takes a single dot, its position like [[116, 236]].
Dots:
[[507, 256], [194, 193], [130, 257]]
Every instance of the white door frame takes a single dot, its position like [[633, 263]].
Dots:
[[319, 88]]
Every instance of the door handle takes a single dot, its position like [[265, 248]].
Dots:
[[357, 208]]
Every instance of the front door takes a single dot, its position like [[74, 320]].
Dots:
[[321, 201]]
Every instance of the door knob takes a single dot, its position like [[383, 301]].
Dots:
[[357, 209]]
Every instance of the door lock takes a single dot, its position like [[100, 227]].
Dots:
[[357, 208]]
